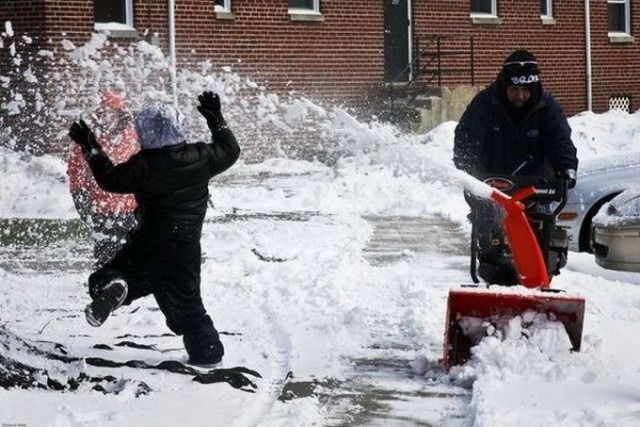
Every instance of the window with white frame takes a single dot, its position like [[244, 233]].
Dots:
[[305, 10], [305, 5], [223, 6], [113, 11], [546, 8], [484, 7], [619, 16]]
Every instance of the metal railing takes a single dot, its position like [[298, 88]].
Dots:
[[435, 57]]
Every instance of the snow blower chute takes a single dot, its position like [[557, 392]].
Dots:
[[535, 256]]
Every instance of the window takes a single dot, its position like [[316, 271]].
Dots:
[[619, 21], [305, 10], [114, 17], [223, 6], [546, 8], [484, 12], [310, 5], [546, 12], [486, 7], [114, 11]]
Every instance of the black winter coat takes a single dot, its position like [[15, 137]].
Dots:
[[171, 184], [489, 140]]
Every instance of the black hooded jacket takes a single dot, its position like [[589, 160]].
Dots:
[[170, 183], [492, 138]]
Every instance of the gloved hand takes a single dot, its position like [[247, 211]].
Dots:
[[210, 108], [80, 133], [570, 176]]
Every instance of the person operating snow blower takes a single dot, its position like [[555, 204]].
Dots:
[[511, 128], [162, 256]]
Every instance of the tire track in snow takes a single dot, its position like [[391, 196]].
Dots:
[[280, 367]]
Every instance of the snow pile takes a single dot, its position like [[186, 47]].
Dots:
[[610, 133]]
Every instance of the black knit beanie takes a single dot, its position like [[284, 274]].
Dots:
[[520, 68]]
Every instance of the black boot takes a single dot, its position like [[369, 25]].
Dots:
[[204, 348], [111, 296]]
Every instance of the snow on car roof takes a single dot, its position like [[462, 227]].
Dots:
[[617, 161]]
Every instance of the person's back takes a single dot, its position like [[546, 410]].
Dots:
[[169, 177], [176, 186]]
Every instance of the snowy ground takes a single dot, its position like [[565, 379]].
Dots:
[[339, 332]]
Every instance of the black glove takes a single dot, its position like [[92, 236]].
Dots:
[[210, 108], [570, 176], [80, 133]]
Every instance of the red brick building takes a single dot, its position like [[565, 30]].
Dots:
[[347, 51]]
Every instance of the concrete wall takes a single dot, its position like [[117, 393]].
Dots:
[[439, 109]]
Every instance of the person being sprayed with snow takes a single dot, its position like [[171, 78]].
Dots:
[[162, 256], [110, 215], [511, 127]]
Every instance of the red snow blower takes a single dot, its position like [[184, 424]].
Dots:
[[537, 250]]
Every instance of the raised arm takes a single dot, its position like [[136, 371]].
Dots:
[[116, 179], [224, 147]]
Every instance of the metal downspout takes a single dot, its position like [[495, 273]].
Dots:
[[172, 50], [587, 47], [410, 38]]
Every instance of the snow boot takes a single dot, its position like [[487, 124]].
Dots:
[[111, 296], [203, 348]]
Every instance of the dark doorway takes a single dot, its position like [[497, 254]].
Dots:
[[396, 40]]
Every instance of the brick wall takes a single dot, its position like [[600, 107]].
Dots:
[[335, 60], [559, 48], [25, 16], [615, 66]]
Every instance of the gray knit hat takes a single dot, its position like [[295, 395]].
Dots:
[[159, 126]]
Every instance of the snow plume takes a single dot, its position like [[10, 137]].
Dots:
[[52, 87], [47, 89], [269, 125]]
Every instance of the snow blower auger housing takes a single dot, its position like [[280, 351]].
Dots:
[[537, 251]]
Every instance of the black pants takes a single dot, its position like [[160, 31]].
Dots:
[[167, 269]]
